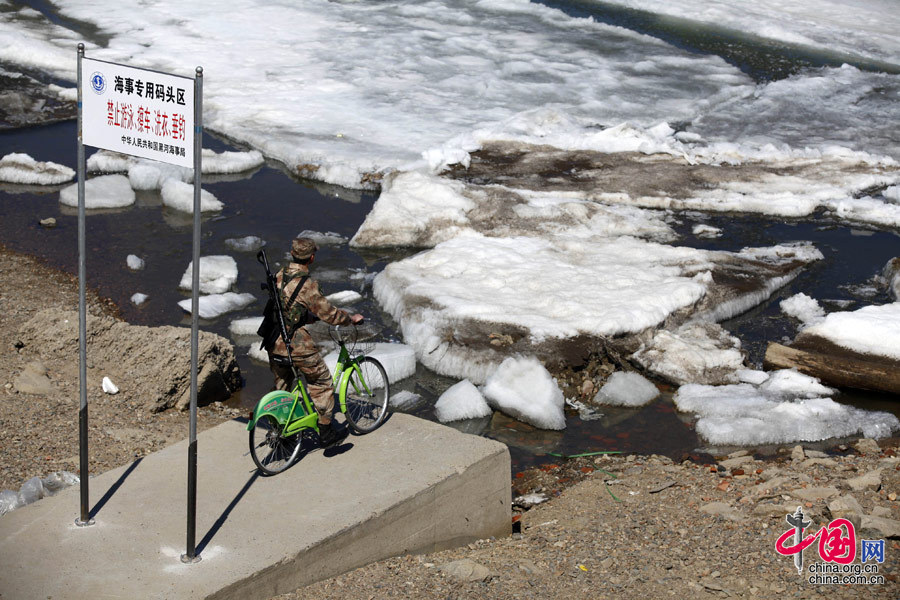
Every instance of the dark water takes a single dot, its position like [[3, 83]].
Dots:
[[274, 206]]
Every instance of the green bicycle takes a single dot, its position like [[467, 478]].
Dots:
[[281, 417]]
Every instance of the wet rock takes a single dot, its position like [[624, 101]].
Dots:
[[815, 454], [466, 570], [33, 379], [797, 453], [732, 463], [867, 446], [867, 481], [48, 223]]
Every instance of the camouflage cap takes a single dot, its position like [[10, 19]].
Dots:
[[303, 248]]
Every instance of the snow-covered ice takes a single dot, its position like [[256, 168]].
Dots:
[[180, 196], [404, 399], [626, 389], [215, 305], [217, 274], [323, 238], [461, 401], [134, 262], [706, 231], [230, 162], [522, 388], [696, 352], [802, 307], [106, 191], [788, 407], [870, 330], [153, 175], [22, 168]]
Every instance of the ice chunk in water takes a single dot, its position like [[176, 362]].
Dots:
[[180, 196], [230, 162], [134, 262], [626, 389], [461, 401], [344, 298], [216, 305], [138, 298], [21, 168], [217, 274], [869, 330], [802, 307], [404, 399], [106, 191], [523, 389], [781, 410], [246, 326], [250, 243]]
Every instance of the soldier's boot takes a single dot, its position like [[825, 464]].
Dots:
[[329, 435]]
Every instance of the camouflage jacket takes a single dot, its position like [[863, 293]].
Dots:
[[309, 297]]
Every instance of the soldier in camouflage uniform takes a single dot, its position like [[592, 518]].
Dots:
[[308, 306]]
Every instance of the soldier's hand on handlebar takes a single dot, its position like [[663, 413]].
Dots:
[[356, 319]]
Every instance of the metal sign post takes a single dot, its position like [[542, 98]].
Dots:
[[143, 113], [85, 519], [190, 554]]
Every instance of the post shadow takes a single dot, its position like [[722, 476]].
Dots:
[[224, 516], [114, 488]]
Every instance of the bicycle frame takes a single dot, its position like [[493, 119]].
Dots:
[[295, 410]]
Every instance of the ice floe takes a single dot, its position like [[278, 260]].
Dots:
[[180, 196], [802, 307], [22, 168], [626, 389], [461, 401], [870, 330], [246, 326], [522, 388], [217, 274], [788, 407], [106, 191], [215, 305], [706, 231], [138, 298], [452, 300], [326, 238], [344, 298]]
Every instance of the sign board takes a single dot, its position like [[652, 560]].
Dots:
[[137, 111]]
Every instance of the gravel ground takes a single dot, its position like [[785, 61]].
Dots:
[[643, 527], [39, 432]]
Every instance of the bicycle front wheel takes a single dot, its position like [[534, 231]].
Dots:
[[368, 392], [272, 452]]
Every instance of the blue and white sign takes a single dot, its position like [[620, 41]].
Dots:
[[137, 111]]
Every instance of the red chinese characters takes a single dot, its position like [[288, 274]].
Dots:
[[837, 542]]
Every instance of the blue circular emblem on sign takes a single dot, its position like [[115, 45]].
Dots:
[[98, 82]]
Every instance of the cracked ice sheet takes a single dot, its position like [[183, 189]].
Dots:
[[545, 152], [539, 294], [788, 407], [381, 82]]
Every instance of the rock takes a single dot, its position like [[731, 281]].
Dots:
[[466, 570], [881, 511], [131, 353], [815, 454], [738, 453], [881, 527], [867, 481], [48, 223], [797, 453], [33, 379], [660, 487], [720, 509], [767, 487], [770, 473], [812, 494], [825, 462], [732, 463], [529, 500], [109, 387], [782, 510], [846, 507], [867, 446]]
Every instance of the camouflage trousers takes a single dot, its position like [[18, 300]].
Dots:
[[318, 379]]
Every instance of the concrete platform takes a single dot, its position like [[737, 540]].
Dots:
[[411, 486]]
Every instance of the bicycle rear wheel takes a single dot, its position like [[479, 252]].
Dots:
[[368, 392], [272, 452]]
